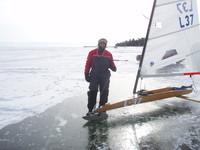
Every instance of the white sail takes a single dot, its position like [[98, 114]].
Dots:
[[174, 38]]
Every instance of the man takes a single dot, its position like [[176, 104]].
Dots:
[[98, 63]]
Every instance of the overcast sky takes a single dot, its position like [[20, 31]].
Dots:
[[75, 22]]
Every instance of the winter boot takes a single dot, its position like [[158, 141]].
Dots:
[[89, 114]]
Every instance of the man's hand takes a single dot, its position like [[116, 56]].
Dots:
[[87, 77], [113, 68]]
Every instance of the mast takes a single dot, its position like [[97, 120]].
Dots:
[[144, 48]]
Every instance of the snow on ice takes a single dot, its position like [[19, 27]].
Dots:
[[36, 78]]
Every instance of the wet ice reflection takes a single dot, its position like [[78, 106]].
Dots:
[[123, 138]]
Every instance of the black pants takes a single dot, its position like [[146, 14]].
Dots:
[[97, 83]]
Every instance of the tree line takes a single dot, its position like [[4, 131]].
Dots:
[[133, 42]]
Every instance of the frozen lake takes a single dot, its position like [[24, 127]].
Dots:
[[43, 98]]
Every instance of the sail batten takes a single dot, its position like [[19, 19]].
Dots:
[[167, 3], [174, 32], [170, 75]]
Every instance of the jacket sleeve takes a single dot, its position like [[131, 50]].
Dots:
[[88, 63]]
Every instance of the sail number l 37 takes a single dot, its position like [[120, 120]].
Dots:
[[185, 10]]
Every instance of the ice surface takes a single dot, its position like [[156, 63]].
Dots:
[[35, 79]]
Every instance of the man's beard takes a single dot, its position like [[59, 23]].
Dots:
[[101, 48]]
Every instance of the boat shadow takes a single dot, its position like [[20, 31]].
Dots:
[[163, 112], [168, 122]]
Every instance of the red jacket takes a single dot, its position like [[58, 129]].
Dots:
[[92, 57]]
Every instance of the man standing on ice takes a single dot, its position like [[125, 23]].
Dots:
[[98, 63]]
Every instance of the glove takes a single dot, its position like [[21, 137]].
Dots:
[[87, 77], [113, 68]]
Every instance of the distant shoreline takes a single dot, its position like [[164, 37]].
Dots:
[[96, 46]]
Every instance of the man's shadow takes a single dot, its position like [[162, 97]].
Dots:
[[97, 135]]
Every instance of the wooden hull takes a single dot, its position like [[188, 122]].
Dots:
[[153, 96]]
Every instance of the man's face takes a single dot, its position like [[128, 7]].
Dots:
[[102, 45]]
